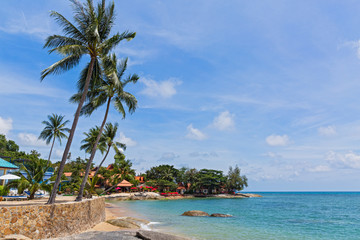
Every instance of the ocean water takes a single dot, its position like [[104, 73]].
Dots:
[[296, 215]]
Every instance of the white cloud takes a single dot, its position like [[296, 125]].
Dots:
[[194, 133], [168, 157], [327, 131], [36, 25], [29, 139], [277, 140], [224, 121], [355, 45], [126, 140], [347, 160], [320, 168], [13, 83], [203, 154], [272, 155], [164, 89], [59, 153], [5, 125]]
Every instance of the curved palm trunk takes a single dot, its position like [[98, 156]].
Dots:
[[72, 132], [97, 170], [93, 151], [48, 163]]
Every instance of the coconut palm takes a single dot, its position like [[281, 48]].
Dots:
[[89, 35], [110, 90], [54, 129], [89, 141], [32, 177], [109, 139]]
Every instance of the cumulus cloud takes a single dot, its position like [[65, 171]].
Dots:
[[347, 160], [29, 139], [320, 168], [168, 157], [5, 125], [126, 140], [327, 131], [203, 154], [354, 45], [272, 155], [224, 121], [59, 153], [164, 89], [194, 133], [277, 140]]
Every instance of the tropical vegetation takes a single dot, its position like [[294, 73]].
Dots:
[[54, 129], [89, 35]]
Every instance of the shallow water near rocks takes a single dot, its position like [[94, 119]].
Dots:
[[297, 215]]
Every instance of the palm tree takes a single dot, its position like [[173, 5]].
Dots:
[[33, 178], [89, 141], [110, 89], [54, 129], [88, 36], [109, 139]]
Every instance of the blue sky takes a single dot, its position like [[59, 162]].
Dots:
[[269, 85]]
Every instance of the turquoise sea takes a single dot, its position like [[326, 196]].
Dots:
[[278, 215]]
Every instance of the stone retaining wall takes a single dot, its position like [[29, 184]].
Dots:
[[57, 220]]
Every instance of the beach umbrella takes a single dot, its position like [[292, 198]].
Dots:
[[9, 177], [133, 188]]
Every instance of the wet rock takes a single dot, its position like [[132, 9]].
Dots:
[[123, 223], [152, 235], [220, 215], [195, 213]]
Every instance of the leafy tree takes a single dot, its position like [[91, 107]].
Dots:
[[54, 129], [35, 153], [90, 35], [7, 145], [165, 185], [208, 179], [110, 90], [165, 172], [235, 181]]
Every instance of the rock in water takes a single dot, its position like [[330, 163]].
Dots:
[[195, 213], [220, 215]]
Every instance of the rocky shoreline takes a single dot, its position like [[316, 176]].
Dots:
[[155, 196]]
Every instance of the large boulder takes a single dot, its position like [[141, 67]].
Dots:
[[123, 223], [195, 213], [220, 215], [152, 235]]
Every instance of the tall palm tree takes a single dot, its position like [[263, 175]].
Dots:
[[109, 139], [90, 35], [110, 89], [89, 141], [54, 129]]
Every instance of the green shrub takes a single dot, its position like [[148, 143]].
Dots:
[[99, 191], [4, 191]]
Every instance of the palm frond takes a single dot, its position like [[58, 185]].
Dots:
[[68, 28], [61, 66]]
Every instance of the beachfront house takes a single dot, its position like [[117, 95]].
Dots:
[[6, 167]]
